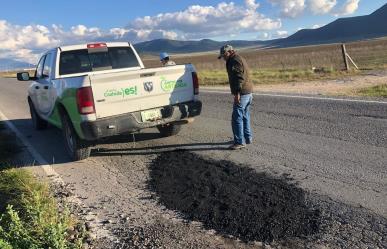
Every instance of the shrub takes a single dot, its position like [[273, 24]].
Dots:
[[32, 218]]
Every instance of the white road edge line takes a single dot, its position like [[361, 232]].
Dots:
[[304, 97], [47, 168]]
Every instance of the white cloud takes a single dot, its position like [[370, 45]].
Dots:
[[208, 21], [170, 35], [349, 7], [295, 8], [316, 26], [79, 30], [82, 30], [321, 6], [282, 33], [251, 4], [21, 42], [290, 8], [118, 32], [264, 36], [27, 42], [14, 36]]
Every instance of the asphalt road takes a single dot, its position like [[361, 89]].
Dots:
[[333, 149]]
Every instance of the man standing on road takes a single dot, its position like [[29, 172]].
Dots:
[[164, 59], [241, 88]]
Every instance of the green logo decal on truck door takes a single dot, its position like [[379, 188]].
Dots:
[[170, 85], [123, 92]]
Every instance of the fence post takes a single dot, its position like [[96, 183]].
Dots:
[[344, 50]]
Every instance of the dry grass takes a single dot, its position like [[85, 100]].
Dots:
[[285, 64], [375, 91], [12, 74], [274, 76], [367, 54], [289, 64]]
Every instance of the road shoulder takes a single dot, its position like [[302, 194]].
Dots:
[[347, 86]]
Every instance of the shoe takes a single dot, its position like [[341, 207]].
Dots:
[[249, 142], [237, 146]]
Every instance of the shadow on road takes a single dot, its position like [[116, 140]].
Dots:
[[152, 150], [50, 145], [130, 138]]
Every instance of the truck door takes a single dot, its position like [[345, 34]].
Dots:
[[45, 91], [36, 86]]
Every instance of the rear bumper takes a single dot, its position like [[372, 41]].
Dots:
[[132, 122]]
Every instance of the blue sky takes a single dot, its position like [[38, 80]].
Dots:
[[118, 13], [26, 27]]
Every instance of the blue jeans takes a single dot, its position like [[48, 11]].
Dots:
[[241, 120]]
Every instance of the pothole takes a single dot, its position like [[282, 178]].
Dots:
[[232, 199]]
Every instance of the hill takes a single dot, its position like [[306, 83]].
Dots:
[[174, 46], [10, 64], [341, 30]]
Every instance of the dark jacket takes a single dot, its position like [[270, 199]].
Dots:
[[238, 75]]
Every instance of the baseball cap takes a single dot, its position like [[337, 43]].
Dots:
[[224, 49], [163, 56]]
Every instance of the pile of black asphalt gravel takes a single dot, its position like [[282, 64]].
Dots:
[[238, 202], [232, 199]]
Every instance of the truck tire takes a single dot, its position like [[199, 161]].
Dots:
[[168, 130], [37, 122], [77, 148]]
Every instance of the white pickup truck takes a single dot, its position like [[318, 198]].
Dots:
[[98, 90]]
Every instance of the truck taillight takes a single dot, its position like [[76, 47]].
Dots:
[[85, 101], [97, 45], [195, 81]]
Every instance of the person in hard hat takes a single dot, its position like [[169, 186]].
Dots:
[[242, 88], [164, 59]]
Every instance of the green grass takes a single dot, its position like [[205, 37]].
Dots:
[[29, 215], [375, 91], [267, 76]]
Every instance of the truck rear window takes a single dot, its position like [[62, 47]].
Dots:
[[82, 61]]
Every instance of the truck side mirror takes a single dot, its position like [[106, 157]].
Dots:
[[23, 76]]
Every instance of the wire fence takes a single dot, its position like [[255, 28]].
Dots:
[[367, 54]]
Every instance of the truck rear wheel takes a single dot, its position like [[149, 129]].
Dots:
[[77, 148], [37, 122], [168, 130]]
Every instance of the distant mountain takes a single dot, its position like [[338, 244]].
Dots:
[[10, 64], [341, 30], [173, 46]]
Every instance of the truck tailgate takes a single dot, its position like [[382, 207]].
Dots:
[[130, 91]]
